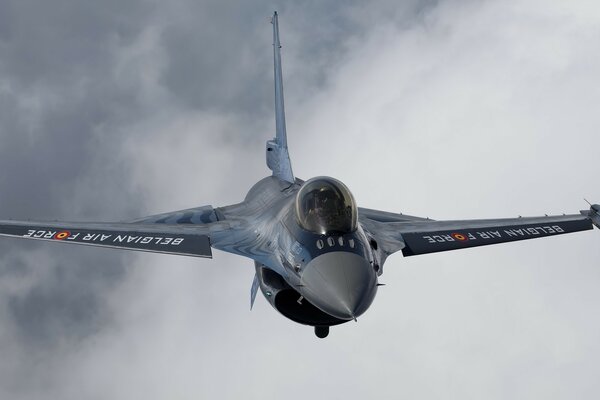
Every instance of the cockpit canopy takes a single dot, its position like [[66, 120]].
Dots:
[[325, 205]]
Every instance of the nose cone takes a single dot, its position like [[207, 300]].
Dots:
[[339, 283]]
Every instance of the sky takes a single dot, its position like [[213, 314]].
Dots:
[[449, 109]]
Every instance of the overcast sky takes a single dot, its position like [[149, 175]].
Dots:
[[452, 109]]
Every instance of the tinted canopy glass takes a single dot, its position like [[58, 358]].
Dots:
[[325, 205]]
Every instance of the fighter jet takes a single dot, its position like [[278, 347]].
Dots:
[[317, 255]]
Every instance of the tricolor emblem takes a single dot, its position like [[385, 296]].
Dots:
[[62, 235], [459, 236]]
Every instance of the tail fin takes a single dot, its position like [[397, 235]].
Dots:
[[278, 158]]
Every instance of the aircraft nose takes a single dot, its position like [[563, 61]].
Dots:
[[341, 284]]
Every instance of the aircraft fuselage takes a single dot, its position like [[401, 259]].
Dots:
[[322, 278]]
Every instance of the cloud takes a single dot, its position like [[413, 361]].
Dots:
[[449, 109]]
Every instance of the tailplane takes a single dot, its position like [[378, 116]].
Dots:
[[278, 158]]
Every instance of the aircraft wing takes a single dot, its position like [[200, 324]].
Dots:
[[429, 236], [188, 240]]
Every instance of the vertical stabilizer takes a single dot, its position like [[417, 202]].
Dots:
[[278, 158]]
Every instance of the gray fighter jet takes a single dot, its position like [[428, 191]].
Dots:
[[317, 254]]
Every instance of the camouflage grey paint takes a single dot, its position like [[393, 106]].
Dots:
[[315, 279]]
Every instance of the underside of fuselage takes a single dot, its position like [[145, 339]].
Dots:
[[289, 302], [293, 305]]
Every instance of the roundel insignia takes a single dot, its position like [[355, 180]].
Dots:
[[459, 236], [62, 235]]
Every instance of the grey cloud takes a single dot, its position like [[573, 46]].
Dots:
[[217, 67], [366, 108], [56, 92], [60, 42]]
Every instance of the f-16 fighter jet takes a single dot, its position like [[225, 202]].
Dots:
[[317, 254]]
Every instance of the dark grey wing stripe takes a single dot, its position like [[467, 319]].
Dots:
[[188, 244], [432, 241]]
